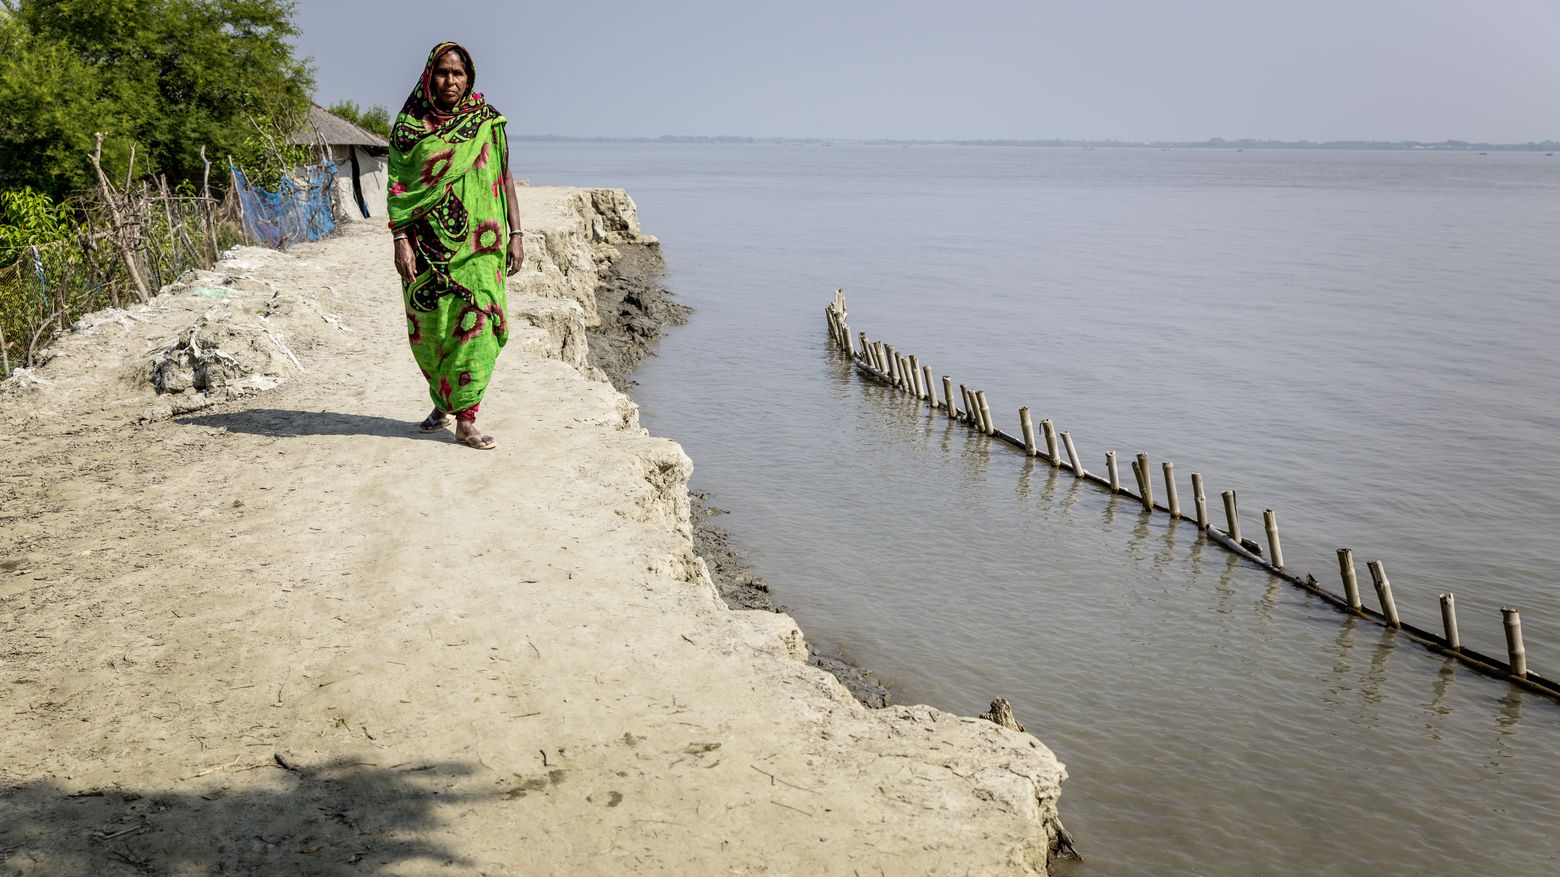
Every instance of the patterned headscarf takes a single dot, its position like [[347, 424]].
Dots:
[[421, 115]]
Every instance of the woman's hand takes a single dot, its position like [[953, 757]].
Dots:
[[516, 252], [405, 261]]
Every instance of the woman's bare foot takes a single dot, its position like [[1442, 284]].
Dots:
[[434, 422], [466, 433]]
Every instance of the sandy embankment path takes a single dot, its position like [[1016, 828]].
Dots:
[[504, 662]]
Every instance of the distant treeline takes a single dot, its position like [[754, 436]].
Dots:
[[1215, 143]]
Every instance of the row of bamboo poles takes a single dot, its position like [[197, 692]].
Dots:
[[970, 407], [131, 240]]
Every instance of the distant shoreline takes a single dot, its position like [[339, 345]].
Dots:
[[1215, 143]]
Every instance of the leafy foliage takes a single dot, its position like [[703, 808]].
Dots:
[[166, 76], [28, 218], [376, 118]]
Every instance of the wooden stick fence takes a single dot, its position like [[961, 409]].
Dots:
[[908, 374]]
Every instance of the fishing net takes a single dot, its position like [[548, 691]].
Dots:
[[292, 214]]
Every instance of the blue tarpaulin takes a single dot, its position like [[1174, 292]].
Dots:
[[292, 214]]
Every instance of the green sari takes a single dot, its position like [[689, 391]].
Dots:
[[448, 176]]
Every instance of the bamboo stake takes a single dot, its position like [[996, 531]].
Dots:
[[1270, 523], [207, 222], [915, 378], [1514, 649], [931, 391], [1172, 499], [969, 409], [1378, 575], [243, 219], [866, 347], [1351, 582], [953, 412], [1148, 483], [1449, 622], [893, 364], [985, 412], [1231, 515], [119, 220], [1049, 428], [1028, 427], [1115, 476], [1072, 454], [1201, 500]]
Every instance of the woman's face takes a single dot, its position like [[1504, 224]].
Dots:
[[450, 79]]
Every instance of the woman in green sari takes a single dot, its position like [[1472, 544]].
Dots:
[[457, 234]]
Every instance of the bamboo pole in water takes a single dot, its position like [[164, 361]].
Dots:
[[966, 398], [1270, 523], [1110, 468], [931, 388], [1351, 581], [1378, 575], [1449, 622], [1201, 501], [1072, 454], [1516, 654], [1231, 515], [1049, 428], [952, 412], [915, 377], [1028, 427], [1172, 499], [1148, 483], [985, 412]]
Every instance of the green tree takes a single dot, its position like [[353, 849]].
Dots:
[[376, 118], [168, 76]]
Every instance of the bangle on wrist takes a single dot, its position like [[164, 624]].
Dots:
[[399, 237]]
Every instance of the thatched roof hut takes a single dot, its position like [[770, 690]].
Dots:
[[361, 156]]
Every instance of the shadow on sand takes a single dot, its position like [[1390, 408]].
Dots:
[[330, 819], [284, 424]]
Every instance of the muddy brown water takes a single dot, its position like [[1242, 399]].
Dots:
[[1362, 341]]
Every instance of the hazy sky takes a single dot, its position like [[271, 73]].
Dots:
[[1484, 70]]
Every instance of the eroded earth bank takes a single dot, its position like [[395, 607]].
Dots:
[[252, 621]]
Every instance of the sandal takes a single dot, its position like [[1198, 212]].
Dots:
[[477, 440], [429, 424]]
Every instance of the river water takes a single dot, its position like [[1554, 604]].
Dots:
[[1366, 342]]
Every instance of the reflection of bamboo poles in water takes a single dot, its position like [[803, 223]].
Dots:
[[880, 361]]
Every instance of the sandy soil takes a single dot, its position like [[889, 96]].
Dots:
[[262, 625]]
